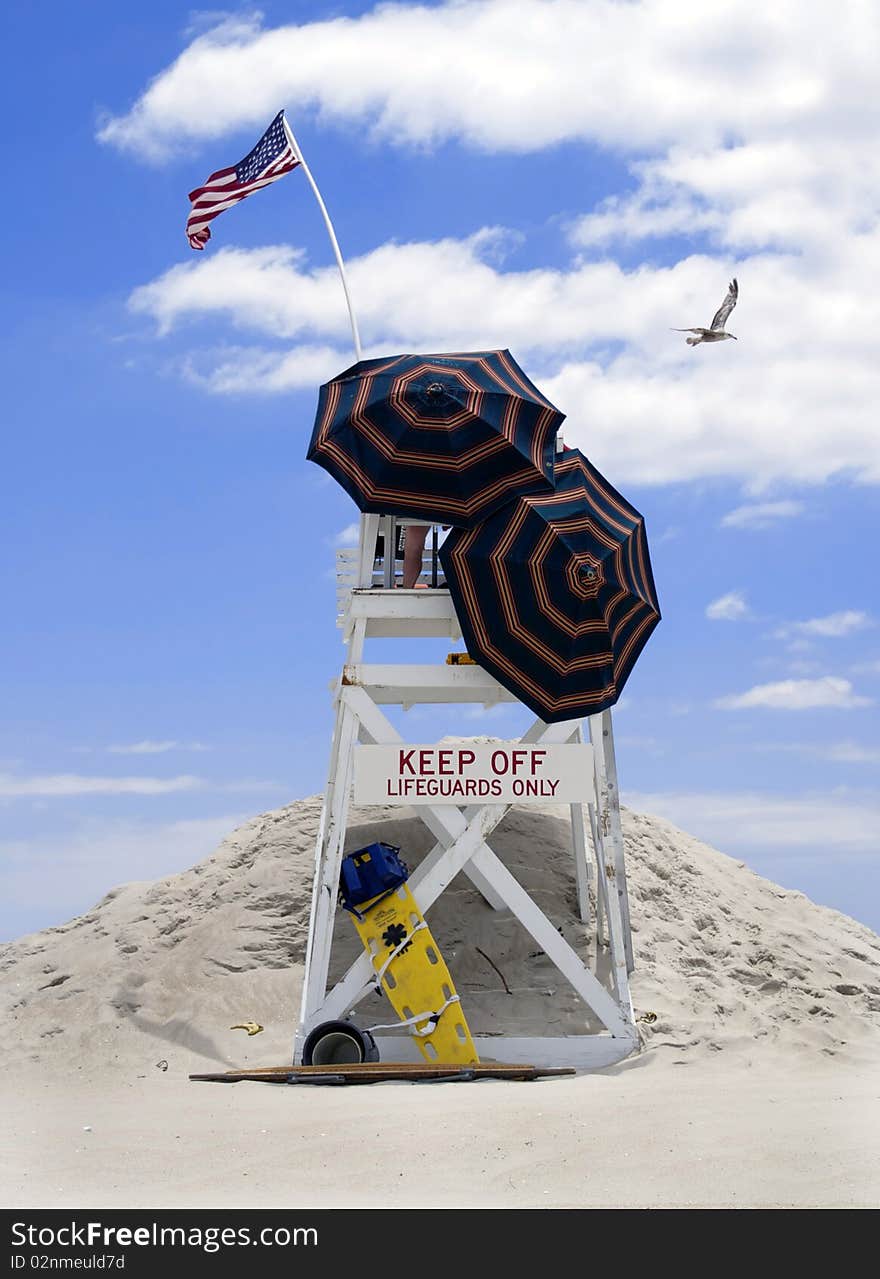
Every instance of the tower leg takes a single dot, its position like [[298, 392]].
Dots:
[[332, 824], [608, 834], [328, 858], [582, 863], [601, 882], [615, 831]]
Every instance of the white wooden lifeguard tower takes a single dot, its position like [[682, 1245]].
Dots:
[[369, 608]]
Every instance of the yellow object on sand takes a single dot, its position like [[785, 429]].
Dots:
[[412, 973], [252, 1027]]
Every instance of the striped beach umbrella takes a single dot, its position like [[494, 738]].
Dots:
[[555, 594], [450, 438]]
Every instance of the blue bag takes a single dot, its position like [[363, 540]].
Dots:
[[370, 872]]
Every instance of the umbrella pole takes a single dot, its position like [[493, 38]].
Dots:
[[321, 205]]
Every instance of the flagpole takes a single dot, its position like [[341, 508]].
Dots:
[[321, 205]]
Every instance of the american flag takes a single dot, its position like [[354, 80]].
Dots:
[[271, 158]]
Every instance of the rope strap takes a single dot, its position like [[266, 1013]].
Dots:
[[431, 1018]]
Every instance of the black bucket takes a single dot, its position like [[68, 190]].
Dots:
[[339, 1043]]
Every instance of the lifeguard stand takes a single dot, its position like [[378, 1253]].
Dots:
[[370, 607]]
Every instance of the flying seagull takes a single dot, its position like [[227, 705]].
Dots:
[[716, 331]]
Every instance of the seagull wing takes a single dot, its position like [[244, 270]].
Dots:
[[726, 306]]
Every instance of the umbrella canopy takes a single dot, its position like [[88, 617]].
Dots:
[[450, 438], [555, 594]]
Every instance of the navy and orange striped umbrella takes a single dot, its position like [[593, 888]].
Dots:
[[555, 595], [450, 438]]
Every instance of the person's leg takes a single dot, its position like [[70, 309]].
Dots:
[[413, 549]]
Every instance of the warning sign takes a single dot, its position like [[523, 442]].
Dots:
[[497, 773]]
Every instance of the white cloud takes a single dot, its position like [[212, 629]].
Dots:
[[797, 695], [762, 191], [66, 784], [852, 753], [54, 785], [728, 608], [717, 419], [735, 821], [394, 287], [148, 747], [759, 415], [802, 666], [832, 626], [496, 711], [638, 742], [761, 515], [348, 536], [524, 74], [847, 752], [239, 370]]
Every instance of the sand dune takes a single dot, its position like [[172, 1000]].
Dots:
[[747, 981]]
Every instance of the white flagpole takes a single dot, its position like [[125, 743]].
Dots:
[[299, 156]]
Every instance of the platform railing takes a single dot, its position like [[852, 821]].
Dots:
[[387, 569]]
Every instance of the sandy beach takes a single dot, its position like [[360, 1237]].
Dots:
[[756, 1084]]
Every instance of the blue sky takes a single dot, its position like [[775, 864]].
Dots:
[[565, 178]]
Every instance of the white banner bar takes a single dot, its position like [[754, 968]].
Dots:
[[498, 773]]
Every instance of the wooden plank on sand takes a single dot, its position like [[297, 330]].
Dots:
[[383, 1072]]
